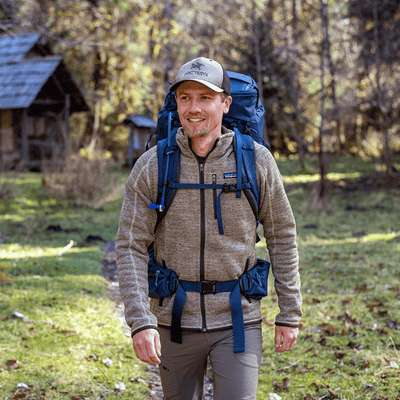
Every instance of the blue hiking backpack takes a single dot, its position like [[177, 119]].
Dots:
[[246, 119]]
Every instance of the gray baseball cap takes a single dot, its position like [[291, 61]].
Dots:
[[203, 70]]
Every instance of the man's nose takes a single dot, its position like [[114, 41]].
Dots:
[[194, 106]]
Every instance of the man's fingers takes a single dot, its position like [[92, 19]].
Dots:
[[278, 338], [285, 338], [152, 351], [157, 344], [147, 346]]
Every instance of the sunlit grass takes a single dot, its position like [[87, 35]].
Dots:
[[70, 329], [15, 250], [349, 263], [316, 177]]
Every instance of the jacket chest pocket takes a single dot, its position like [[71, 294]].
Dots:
[[226, 187]]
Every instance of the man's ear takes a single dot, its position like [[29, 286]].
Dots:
[[227, 102]]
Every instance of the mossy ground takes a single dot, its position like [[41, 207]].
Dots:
[[349, 343]]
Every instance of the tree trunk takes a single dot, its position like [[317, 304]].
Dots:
[[321, 200], [167, 46], [301, 145], [332, 83], [257, 55], [382, 114], [92, 123]]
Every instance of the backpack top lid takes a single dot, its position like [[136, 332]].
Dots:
[[169, 110], [246, 111]]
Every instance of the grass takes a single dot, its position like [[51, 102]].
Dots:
[[349, 345], [70, 325]]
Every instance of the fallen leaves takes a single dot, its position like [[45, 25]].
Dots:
[[28, 391], [363, 288], [12, 364], [107, 362], [4, 279], [120, 387], [393, 324], [66, 332], [280, 387]]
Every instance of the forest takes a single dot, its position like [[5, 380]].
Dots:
[[328, 69]]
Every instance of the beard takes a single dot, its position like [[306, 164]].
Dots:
[[199, 134]]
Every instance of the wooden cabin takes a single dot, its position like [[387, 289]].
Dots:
[[140, 129], [37, 96]]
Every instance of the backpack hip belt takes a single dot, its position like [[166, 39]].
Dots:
[[251, 284]]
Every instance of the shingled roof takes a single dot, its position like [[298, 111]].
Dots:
[[141, 121], [14, 48], [26, 68]]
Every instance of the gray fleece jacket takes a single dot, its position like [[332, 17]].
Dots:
[[188, 241]]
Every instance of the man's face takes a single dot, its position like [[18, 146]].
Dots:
[[200, 109]]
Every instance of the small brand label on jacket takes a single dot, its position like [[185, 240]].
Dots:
[[230, 175]]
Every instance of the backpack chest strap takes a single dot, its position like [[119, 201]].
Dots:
[[225, 188]]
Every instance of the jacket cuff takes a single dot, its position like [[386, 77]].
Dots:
[[142, 328], [287, 325]]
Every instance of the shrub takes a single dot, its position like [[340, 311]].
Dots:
[[84, 178]]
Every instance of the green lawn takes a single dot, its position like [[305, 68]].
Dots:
[[349, 342]]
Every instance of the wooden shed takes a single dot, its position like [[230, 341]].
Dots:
[[140, 129], [37, 96]]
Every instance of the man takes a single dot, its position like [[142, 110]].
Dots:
[[188, 241]]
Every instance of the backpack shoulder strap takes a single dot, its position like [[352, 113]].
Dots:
[[246, 168], [168, 171]]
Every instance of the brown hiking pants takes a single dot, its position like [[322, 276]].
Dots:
[[235, 375]]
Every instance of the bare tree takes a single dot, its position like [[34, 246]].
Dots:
[[381, 98], [258, 58], [321, 200], [168, 45], [332, 78]]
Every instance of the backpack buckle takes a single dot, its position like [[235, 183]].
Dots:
[[173, 284], [229, 188], [208, 287], [244, 283]]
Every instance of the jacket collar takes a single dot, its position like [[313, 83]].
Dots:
[[221, 146]]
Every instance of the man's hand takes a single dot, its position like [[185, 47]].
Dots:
[[147, 346], [285, 338]]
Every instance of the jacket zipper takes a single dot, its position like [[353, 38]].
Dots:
[[202, 245]]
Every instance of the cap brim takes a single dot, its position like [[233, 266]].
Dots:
[[205, 83]]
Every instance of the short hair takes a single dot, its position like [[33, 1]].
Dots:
[[224, 95]]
